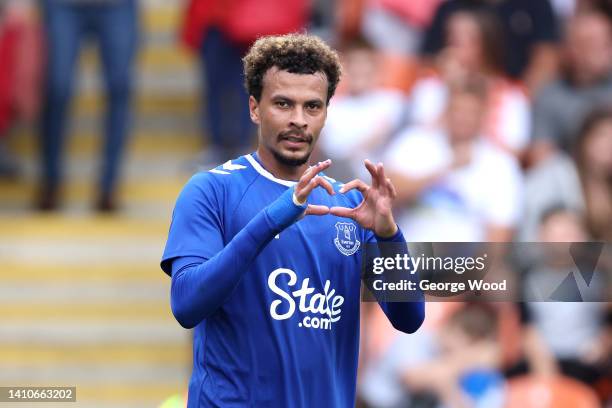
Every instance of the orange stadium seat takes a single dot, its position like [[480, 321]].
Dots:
[[553, 392]]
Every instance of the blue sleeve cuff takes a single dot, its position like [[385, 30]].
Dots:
[[398, 237]]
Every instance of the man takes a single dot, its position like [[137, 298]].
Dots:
[[586, 84], [274, 297], [460, 187], [114, 24], [530, 36], [220, 33], [363, 118]]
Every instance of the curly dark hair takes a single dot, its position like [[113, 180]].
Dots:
[[295, 53]]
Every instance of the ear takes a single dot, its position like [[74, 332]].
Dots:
[[254, 109]]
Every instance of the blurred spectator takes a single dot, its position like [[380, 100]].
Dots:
[[586, 83], [564, 9], [397, 26], [564, 336], [466, 372], [584, 184], [452, 365], [360, 120], [530, 35], [602, 6], [459, 185], [220, 32], [474, 46], [20, 53], [67, 23], [594, 160]]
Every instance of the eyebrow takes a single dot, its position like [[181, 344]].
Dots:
[[288, 99], [315, 101]]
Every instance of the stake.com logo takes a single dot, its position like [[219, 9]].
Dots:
[[324, 306]]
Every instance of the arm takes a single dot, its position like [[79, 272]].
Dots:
[[538, 355], [405, 316], [543, 66], [200, 287], [410, 188], [374, 213]]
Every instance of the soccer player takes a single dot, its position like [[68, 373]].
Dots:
[[264, 250]]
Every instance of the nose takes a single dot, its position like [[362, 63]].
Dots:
[[298, 119]]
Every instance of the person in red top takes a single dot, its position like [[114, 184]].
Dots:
[[220, 32], [20, 69]]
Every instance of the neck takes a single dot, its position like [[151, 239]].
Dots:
[[459, 143], [277, 169]]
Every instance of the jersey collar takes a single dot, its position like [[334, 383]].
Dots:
[[259, 168]]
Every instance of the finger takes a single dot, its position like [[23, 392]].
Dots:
[[357, 183], [380, 171], [391, 188], [386, 181], [303, 194], [373, 172], [311, 172], [383, 179], [327, 186], [306, 177], [316, 210], [342, 212]]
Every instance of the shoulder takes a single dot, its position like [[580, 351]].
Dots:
[[417, 139], [497, 158], [216, 182], [552, 91], [510, 90], [431, 82]]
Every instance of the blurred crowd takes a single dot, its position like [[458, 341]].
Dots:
[[493, 119]]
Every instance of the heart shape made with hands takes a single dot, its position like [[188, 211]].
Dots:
[[375, 210]]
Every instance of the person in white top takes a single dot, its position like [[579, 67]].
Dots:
[[455, 184], [474, 47], [363, 116]]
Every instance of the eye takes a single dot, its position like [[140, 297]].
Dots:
[[313, 106], [282, 104]]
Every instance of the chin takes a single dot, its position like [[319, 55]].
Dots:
[[292, 158]]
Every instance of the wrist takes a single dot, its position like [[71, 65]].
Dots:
[[296, 201], [285, 210], [388, 232]]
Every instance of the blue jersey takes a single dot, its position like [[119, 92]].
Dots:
[[288, 334]]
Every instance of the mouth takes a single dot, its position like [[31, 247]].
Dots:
[[295, 141]]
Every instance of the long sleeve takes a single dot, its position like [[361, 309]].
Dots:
[[199, 286], [202, 281], [408, 315]]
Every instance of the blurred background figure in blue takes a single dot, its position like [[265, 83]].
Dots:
[[220, 33], [454, 362], [67, 23]]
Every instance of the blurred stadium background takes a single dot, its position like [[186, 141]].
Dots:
[[82, 299]]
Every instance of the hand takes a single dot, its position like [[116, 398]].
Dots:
[[375, 211], [309, 180]]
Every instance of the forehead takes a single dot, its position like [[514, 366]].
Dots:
[[590, 25], [295, 86]]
